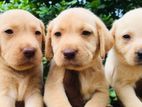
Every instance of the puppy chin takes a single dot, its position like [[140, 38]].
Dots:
[[68, 64], [74, 65], [22, 68], [76, 68]]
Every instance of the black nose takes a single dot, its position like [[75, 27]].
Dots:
[[69, 53], [139, 55], [29, 52]]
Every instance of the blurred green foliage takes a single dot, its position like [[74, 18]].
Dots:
[[107, 10]]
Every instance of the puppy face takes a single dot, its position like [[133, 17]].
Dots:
[[74, 38], [21, 35], [128, 37]]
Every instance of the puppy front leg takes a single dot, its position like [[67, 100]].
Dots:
[[35, 100], [7, 101], [54, 90], [99, 99], [128, 97]]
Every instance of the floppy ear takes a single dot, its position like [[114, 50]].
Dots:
[[105, 38], [48, 47], [43, 30], [43, 35], [112, 30]]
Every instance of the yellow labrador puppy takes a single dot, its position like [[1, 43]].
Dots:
[[21, 36], [124, 63], [76, 39]]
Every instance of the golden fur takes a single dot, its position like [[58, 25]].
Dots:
[[72, 23], [20, 78], [122, 67]]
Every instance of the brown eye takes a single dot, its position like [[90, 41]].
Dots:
[[86, 33], [127, 37], [9, 31], [37, 33], [57, 34]]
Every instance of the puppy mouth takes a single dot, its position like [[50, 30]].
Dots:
[[72, 63], [22, 66], [27, 63]]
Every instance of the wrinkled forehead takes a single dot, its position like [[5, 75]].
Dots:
[[18, 18], [74, 20]]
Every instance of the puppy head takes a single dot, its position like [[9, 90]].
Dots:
[[75, 38], [127, 32], [21, 35]]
